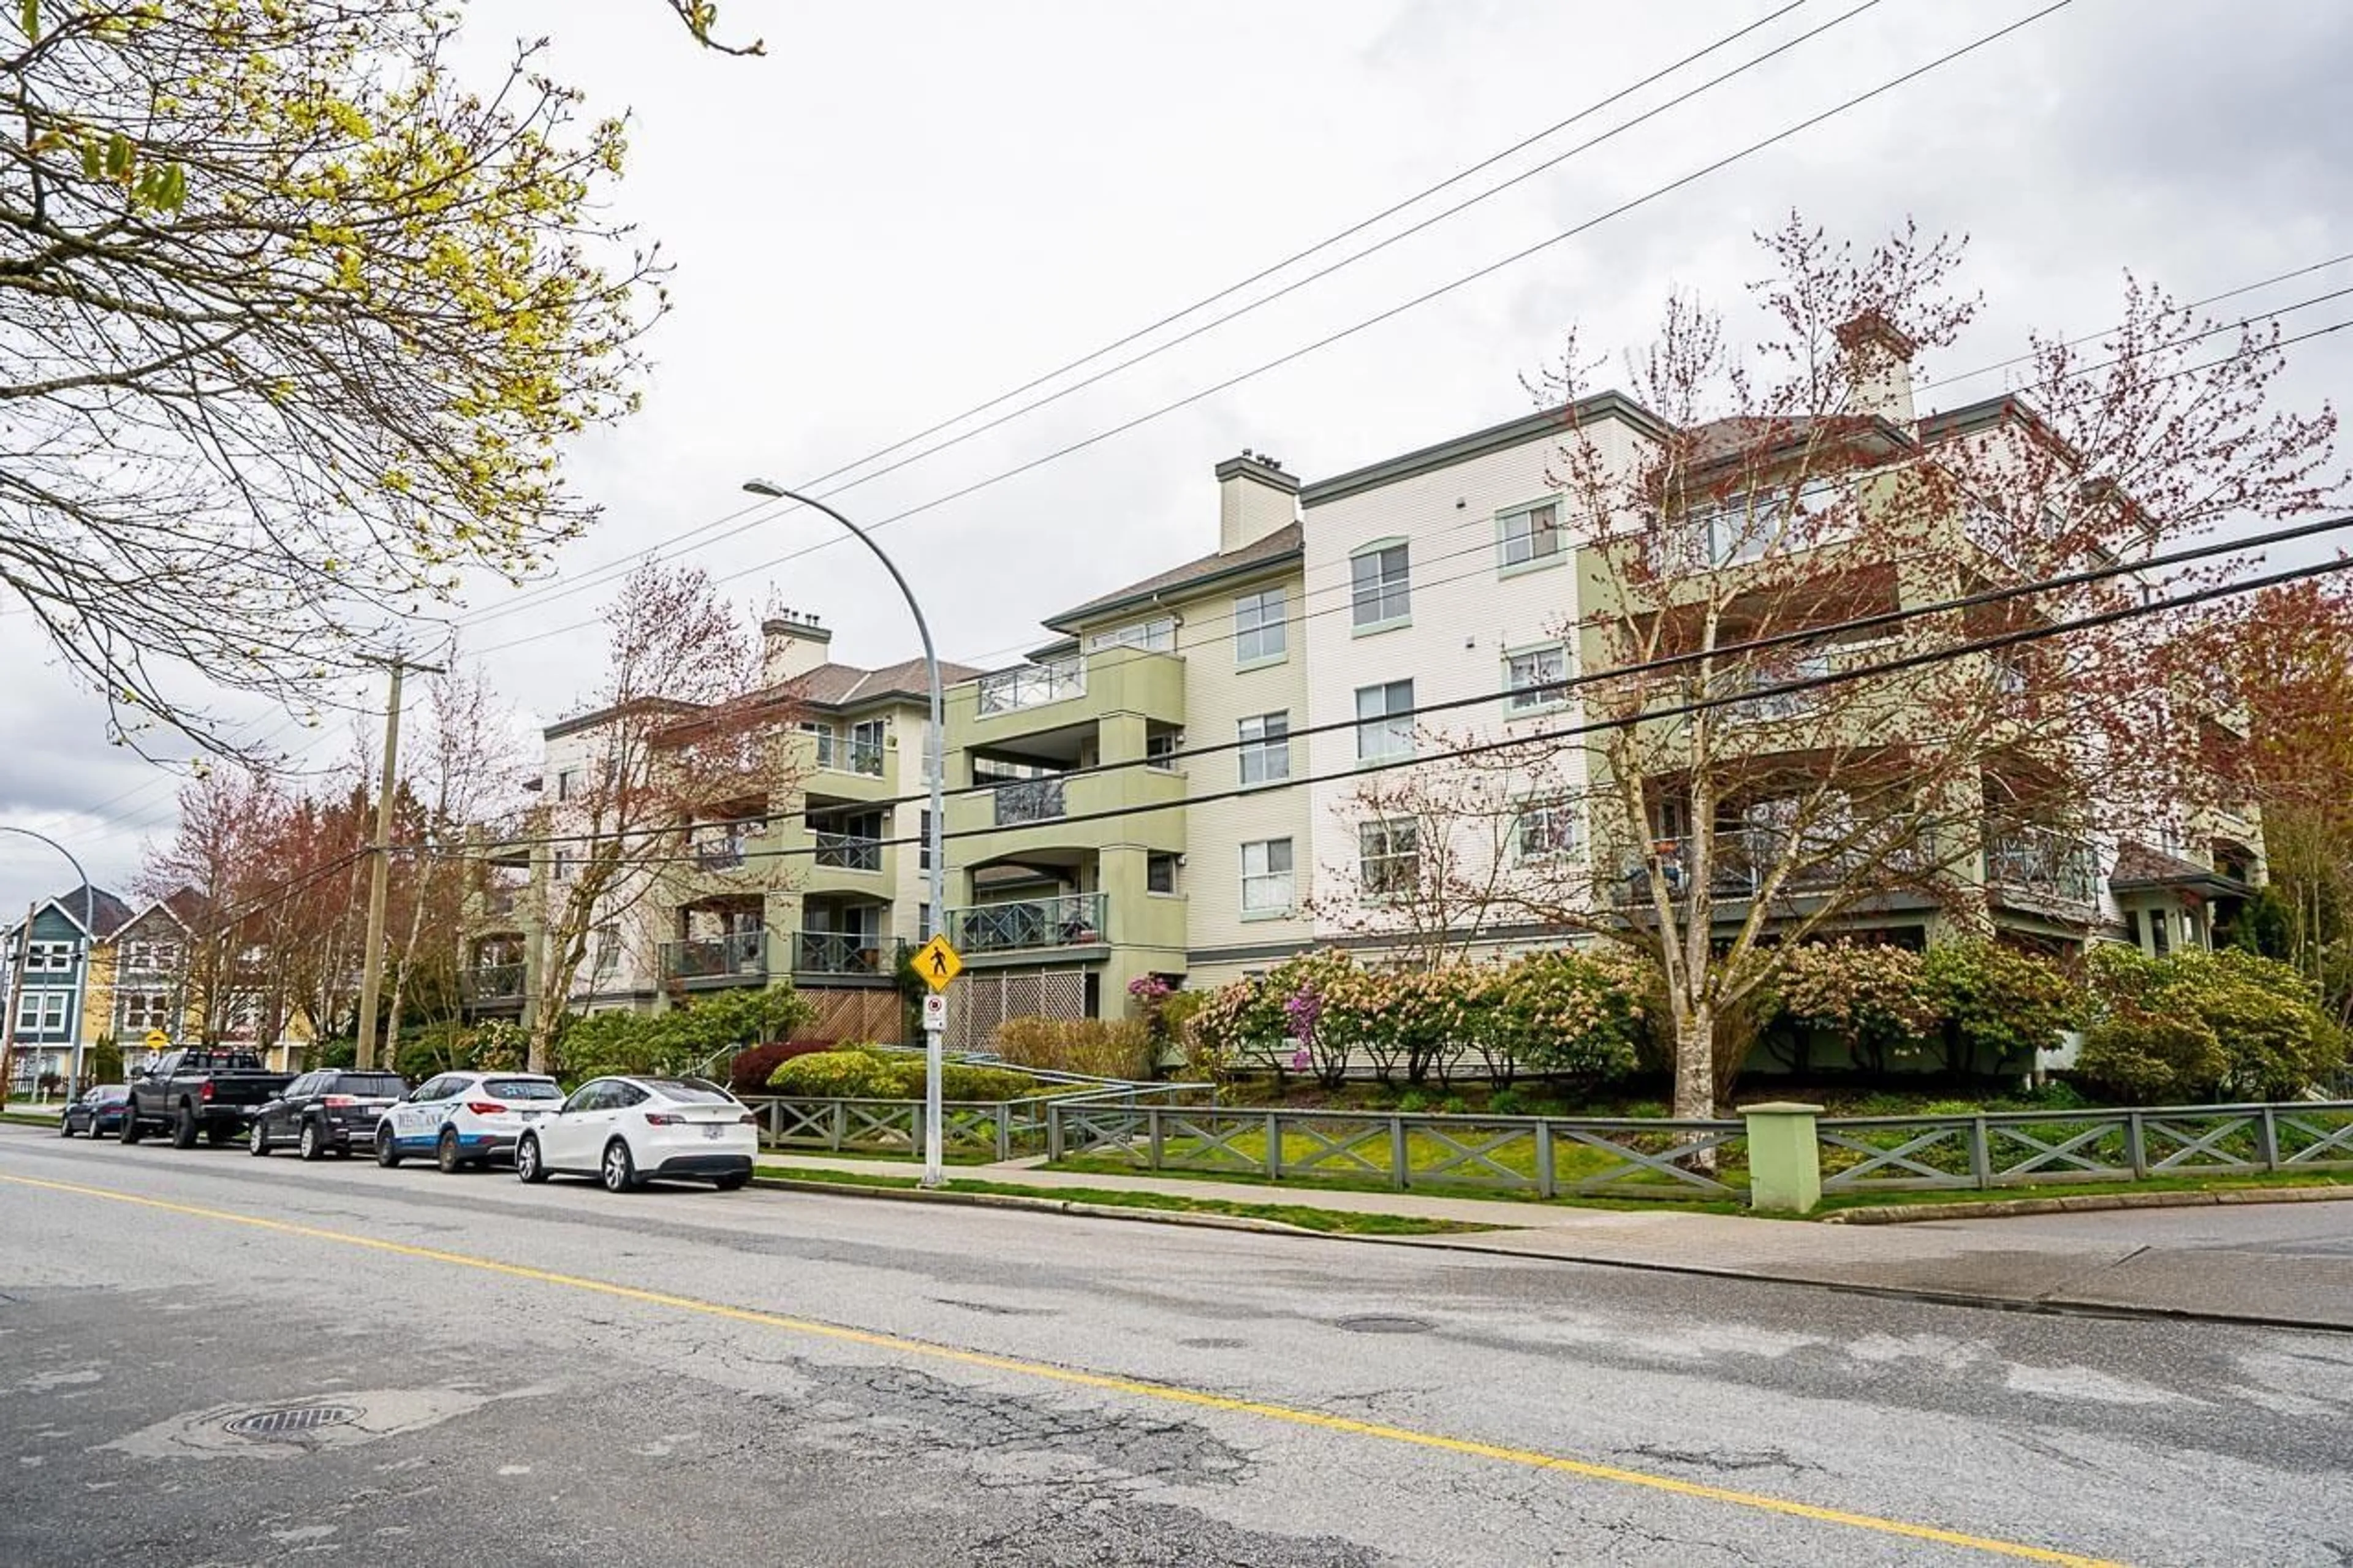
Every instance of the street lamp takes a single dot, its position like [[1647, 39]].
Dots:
[[88, 953], [934, 842]]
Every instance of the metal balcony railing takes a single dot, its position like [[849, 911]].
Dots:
[[1033, 684], [2041, 860], [492, 983], [837, 952], [720, 852], [1744, 857], [1030, 800], [740, 955], [848, 852], [865, 757], [1074, 919]]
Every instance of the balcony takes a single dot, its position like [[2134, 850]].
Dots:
[[1745, 857], [1032, 686], [493, 984], [720, 853], [839, 952], [1031, 800], [2044, 865], [1031, 925], [848, 852], [739, 958]]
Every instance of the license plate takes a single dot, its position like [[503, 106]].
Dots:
[[713, 1130]]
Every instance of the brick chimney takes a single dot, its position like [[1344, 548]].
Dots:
[[1255, 497], [792, 643], [1878, 368]]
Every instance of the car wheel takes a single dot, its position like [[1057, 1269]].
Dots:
[[733, 1181], [308, 1144], [387, 1153], [617, 1171], [527, 1165], [184, 1130], [128, 1131], [446, 1152], [256, 1141], [65, 1127]]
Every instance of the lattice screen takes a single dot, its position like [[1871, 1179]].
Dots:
[[858, 1015], [978, 1005]]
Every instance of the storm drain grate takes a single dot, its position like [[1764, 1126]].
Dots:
[[294, 1423]]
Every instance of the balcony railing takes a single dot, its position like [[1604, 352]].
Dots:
[[837, 952], [848, 852], [2042, 862], [491, 983], [865, 757], [1075, 919], [1744, 857], [1033, 684], [740, 955], [499, 902], [1030, 800], [720, 853]]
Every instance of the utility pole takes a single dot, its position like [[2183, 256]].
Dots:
[[380, 863]]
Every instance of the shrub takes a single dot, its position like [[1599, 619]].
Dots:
[[104, 1062], [1100, 1047], [1565, 1011], [497, 1045], [749, 1070], [2199, 1024], [836, 1075], [1997, 1006], [1869, 996]]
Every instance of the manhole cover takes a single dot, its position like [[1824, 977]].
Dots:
[[1383, 1325], [294, 1423]]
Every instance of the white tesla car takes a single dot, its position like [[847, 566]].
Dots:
[[462, 1118], [626, 1132]]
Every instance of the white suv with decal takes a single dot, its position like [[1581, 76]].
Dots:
[[462, 1119]]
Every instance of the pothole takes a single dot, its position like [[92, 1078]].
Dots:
[[291, 1424], [1379, 1323]]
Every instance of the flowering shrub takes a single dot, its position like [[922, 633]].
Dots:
[[1870, 996], [2199, 1024], [1998, 1006]]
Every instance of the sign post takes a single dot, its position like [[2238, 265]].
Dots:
[[939, 964]]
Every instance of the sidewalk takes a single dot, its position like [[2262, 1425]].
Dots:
[[2288, 1264]]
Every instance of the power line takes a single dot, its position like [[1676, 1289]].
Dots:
[[1390, 313], [1795, 638], [602, 573]]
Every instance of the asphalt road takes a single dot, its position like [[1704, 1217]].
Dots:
[[553, 1375]]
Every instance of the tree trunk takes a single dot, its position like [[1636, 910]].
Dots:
[[1696, 1060]]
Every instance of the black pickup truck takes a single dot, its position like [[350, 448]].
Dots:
[[192, 1091]]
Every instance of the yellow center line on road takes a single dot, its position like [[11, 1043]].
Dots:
[[1166, 1393]]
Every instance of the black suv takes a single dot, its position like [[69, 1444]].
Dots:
[[335, 1110]]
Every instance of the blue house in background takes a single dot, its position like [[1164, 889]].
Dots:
[[48, 957]]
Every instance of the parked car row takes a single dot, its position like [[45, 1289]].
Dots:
[[623, 1130]]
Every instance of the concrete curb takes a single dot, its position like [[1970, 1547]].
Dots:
[[2013, 1208], [1050, 1205]]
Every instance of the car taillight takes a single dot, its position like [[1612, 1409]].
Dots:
[[484, 1107], [204, 1090], [749, 1118], [341, 1099], [664, 1119]]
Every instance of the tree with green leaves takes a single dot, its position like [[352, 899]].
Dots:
[[293, 327]]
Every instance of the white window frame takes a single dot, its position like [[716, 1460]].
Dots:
[[1268, 746], [42, 1012], [1562, 835], [1382, 729], [606, 959], [1519, 532], [1269, 891], [1260, 635], [1176, 868], [567, 784], [867, 738], [50, 957], [1158, 634], [145, 1010], [1380, 599], [1522, 697], [1389, 831], [828, 736]]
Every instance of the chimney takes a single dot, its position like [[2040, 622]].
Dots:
[[1255, 497], [1878, 368], [792, 644]]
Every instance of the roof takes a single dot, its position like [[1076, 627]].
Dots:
[[109, 912], [2138, 865], [1544, 423], [1275, 548], [605, 715], [1717, 441], [846, 685]]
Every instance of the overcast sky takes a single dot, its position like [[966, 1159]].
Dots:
[[906, 209]]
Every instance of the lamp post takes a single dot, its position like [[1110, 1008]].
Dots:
[[934, 763], [81, 989]]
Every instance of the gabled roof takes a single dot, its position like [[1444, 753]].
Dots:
[[109, 913], [590, 719], [846, 684], [1282, 545]]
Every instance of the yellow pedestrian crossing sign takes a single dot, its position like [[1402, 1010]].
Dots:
[[938, 963]]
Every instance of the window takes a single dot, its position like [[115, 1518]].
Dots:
[[1388, 856], [924, 923], [1258, 626], [150, 957], [1385, 721], [924, 849], [866, 747], [42, 1012], [567, 784], [609, 948], [1160, 749], [2159, 942], [828, 742], [1155, 635], [1266, 748], [1383, 592], [1545, 830], [589, 1097], [1745, 527], [145, 1010], [563, 863], [1160, 873], [1530, 536], [1267, 888], [49, 958], [1531, 678]]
